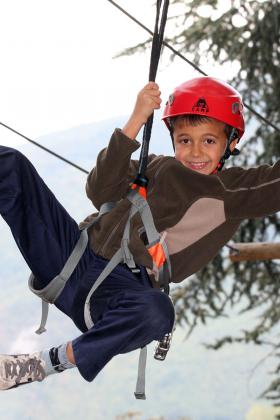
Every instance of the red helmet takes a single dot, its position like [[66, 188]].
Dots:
[[209, 97]]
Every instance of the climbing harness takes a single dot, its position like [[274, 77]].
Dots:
[[156, 245]]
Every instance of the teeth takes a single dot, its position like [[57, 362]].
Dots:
[[198, 164]]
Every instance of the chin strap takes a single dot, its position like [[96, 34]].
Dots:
[[233, 135]]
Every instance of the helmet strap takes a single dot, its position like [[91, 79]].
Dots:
[[171, 131], [232, 136]]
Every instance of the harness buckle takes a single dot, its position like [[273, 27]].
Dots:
[[135, 270], [163, 347], [140, 395]]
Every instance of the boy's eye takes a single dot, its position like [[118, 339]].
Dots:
[[184, 141], [210, 141]]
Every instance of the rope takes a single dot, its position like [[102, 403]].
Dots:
[[45, 149], [157, 43], [177, 53]]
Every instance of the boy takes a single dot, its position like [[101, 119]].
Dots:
[[196, 212]]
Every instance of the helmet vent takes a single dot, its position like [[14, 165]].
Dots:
[[171, 99]]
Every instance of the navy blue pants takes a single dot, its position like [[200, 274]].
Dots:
[[127, 312]]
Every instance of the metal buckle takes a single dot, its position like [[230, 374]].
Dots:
[[135, 270], [140, 395], [163, 347]]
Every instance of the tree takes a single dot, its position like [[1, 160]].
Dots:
[[245, 34]]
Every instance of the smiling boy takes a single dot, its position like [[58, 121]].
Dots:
[[195, 204]]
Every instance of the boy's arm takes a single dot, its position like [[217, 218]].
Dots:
[[251, 193], [148, 99], [114, 170], [109, 179]]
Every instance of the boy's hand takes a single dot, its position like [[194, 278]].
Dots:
[[148, 99]]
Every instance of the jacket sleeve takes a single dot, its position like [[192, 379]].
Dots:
[[109, 180], [250, 193], [244, 193]]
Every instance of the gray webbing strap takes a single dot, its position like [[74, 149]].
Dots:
[[140, 205], [123, 255], [51, 292], [115, 260], [140, 384], [44, 317], [105, 208], [69, 267], [127, 256], [143, 208]]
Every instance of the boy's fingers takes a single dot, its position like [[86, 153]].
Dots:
[[152, 93], [155, 92], [153, 100], [151, 85], [156, 99], [158, 102]]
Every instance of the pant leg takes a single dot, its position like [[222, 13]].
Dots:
[[44, 232], [134, 316]]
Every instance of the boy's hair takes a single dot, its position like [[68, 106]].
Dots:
[[194, 120]]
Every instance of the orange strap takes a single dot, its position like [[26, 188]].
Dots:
[[157, 253], [141, 190]]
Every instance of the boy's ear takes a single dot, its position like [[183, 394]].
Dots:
[[233, 144]]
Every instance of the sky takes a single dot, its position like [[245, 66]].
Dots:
[[57, 67]]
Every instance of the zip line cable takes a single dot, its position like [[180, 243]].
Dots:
[[45, 149], [177, 53], [261, 117]]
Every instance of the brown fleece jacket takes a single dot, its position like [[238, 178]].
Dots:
[[199, 213]]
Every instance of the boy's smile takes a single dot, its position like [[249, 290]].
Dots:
[[200, 147]]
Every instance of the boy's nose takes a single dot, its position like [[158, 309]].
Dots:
[[196, 151]]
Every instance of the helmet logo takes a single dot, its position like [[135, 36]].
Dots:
[[200, 106]]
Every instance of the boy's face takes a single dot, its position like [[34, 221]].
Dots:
[[200, 147]]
